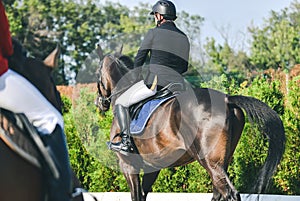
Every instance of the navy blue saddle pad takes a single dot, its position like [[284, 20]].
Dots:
[[138, 124]]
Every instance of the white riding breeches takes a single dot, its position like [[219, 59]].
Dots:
[[137, 92], [18, 95]]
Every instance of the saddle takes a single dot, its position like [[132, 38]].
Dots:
[[25, 140], [141, 111]]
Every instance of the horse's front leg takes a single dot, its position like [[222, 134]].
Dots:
[[131, 172]]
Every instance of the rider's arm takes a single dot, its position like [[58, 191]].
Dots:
[[144, 49]]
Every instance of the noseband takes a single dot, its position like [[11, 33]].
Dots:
[[102, 100]]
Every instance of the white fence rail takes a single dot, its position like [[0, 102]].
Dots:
[[125, 196]]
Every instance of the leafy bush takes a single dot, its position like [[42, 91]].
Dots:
[[86, 140], [287, 179]]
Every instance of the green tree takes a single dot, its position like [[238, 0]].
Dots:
[[277, 43], [77, 25], [225, 60]]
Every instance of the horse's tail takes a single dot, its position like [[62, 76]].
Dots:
[[271, 126]]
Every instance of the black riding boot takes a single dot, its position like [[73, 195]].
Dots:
[[124, 146], [59, 189]]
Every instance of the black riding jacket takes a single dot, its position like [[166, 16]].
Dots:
[[169, 51]]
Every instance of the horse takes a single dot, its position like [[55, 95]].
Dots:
[[21, 176], [198, 124]]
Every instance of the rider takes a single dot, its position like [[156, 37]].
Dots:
[[18, 95], [169, 51]]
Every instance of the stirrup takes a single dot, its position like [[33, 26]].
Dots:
[[120, 147], [124, 146]]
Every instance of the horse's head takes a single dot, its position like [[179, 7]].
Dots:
[[38, 72], [111, 69]]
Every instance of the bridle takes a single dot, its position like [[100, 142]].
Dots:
[[105, 100], [101, 99]]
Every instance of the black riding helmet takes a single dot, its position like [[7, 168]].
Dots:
[[165, 8]]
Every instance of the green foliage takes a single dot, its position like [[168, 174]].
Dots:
[[67, 104], [267, 91], [172, 180], [189, 178], [277, 43], [223, 59], [86, 140], [248, 159], [288, 177], [223, 83]]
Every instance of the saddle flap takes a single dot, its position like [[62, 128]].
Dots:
[[26, 142], [11, 133]]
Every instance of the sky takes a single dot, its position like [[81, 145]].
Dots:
[[231, 17]]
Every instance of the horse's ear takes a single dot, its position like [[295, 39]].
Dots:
[[99, 51], [52, 59]]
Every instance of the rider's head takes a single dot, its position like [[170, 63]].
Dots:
[[165, 9]]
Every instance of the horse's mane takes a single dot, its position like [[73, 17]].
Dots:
[[19, 50], [120, 68], [123, 62], [16, 61], [128, 62]]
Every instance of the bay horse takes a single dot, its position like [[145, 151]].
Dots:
[[199, 124], [20, 171]]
